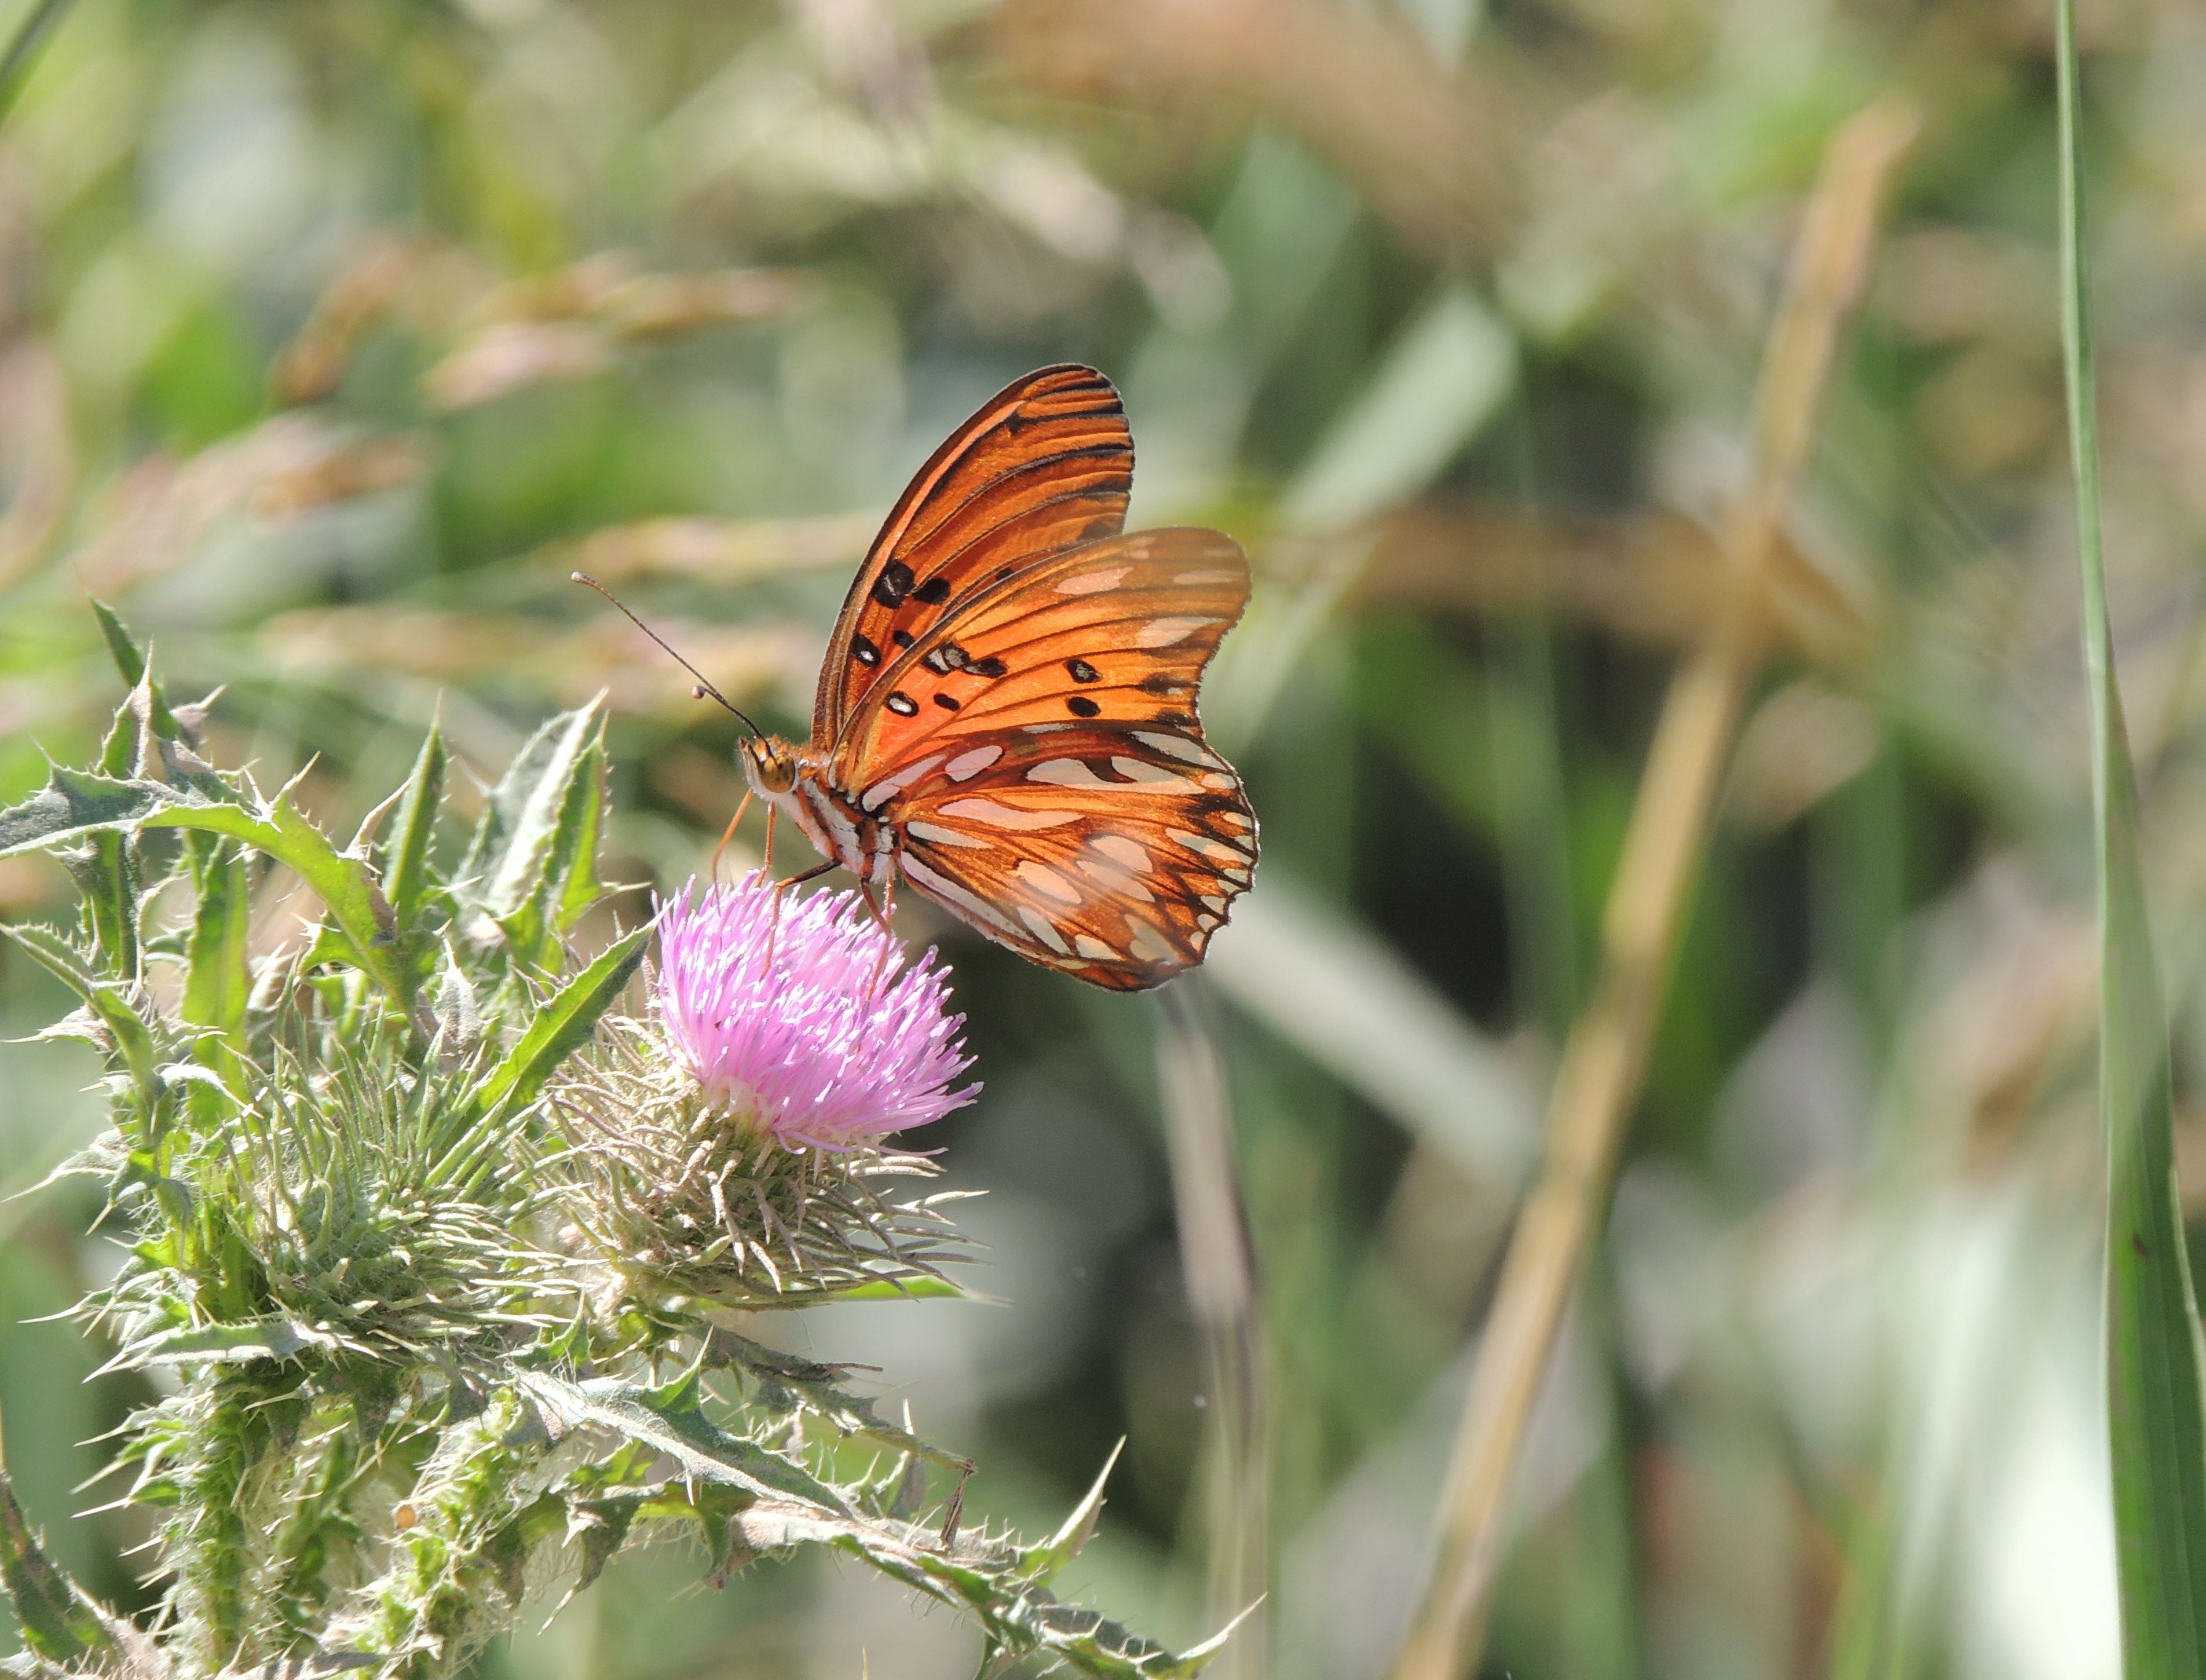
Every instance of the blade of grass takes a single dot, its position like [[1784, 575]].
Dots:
[[1222, 1291], [40, 16], [2154, 1386], [1606, 1054]]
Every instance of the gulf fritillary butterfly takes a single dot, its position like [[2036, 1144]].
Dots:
[[1006, 714]]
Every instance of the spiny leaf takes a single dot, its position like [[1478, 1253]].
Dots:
[[129, 659], [1042, 1562], [563, 1025], [523, 808], [703, 1451], [131, 1038], [222, 1344], [1017, 1615], [76, 805], [57, 1620], [549, 855], [406, 855], [345, 886], [217, 983], [787, 1383]]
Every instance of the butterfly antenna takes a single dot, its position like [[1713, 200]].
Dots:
[[704, 689]]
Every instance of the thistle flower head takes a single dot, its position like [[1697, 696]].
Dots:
[[800, 1018]]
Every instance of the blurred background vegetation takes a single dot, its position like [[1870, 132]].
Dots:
[[333, 335]]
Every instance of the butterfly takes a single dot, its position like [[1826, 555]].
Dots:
[[1006, 714]]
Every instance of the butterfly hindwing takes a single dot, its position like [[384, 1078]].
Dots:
[[1113, 853], [1046, 464]]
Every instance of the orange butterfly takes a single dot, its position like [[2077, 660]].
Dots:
[[1006, 714]]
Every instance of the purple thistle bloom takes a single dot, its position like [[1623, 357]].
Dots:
[[803, 1019]]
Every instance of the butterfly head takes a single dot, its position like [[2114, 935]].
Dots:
[[769, 765]]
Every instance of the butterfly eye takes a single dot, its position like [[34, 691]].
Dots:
[[770, 767]]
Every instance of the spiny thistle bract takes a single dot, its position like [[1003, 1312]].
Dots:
[[439, 1247]]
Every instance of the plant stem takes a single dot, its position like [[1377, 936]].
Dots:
[[1606, 1055]]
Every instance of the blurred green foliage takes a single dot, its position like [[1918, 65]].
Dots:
[[333, 335]]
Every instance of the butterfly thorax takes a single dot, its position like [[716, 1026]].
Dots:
[[794, 781]]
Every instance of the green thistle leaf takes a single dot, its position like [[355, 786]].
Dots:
[[563, 1025], [59, 1622], [406, 856], [703, 1451], [74, 805], [217, 982]]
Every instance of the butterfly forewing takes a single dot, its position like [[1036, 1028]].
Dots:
[[1045, 464], [1115, 633], [1041, 751]]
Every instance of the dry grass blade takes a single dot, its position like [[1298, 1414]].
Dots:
[[718, 551], [1606, 1055], [1416, 137], [1222, 1291]]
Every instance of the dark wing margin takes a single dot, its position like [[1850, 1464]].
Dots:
[[1046, 464]]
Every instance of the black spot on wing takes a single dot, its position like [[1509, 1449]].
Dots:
[[945, 702], [864, 652], [1082, 671], [990, 667], [903, 704], [893, 585], [1080, 706], [933, 593]]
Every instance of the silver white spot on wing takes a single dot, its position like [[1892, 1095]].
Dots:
[[1093, 949], [1114, 881], [1045, 929], [966, 765], [1167, 631], [976, 910], [880, 794], [1066, 773], [1048, 882], [1213, 576], [1177, 746], [997, 815], [1132, 854], [1153, 775], [1094, 582], [935, 835], [1217, 851], [1147, 944]]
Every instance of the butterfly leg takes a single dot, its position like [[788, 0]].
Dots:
[[881, 919], [803, 875], [766, 861], [773, 926], [730, 834]]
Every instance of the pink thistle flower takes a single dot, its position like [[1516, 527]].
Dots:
[[802, 1019]]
